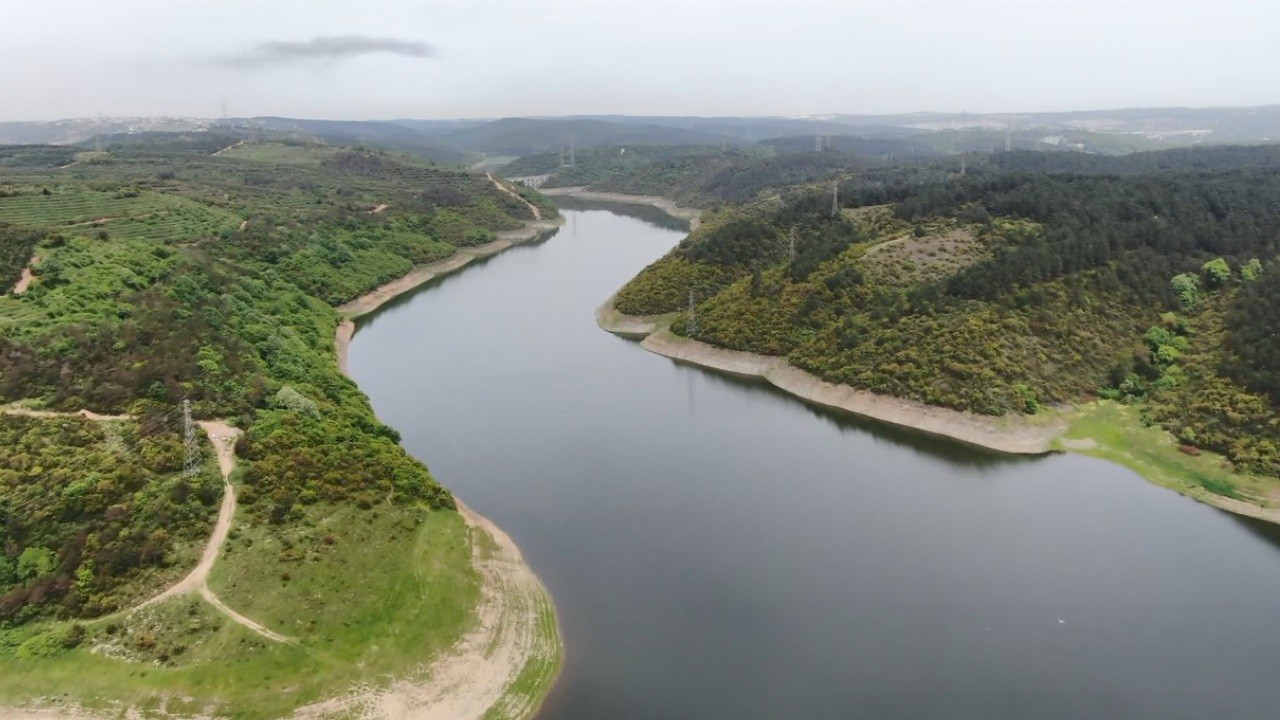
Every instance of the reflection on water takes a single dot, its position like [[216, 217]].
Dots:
[[645, 213], [719, 550]]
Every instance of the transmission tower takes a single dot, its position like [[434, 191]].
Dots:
[[190, 443], [572, 158], [835, 198], [791, 245], [692, 324]]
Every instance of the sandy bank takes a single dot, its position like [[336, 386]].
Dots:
[[637, 327], [475, 678], [1002, 434], [693, 215], [378, 297]]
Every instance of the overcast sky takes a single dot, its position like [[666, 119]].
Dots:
[[488, 58]]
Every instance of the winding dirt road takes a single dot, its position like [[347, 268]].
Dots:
[[537, 214], [223, 437]]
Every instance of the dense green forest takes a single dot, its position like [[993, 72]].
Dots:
[[168, 274], [1010, 283]]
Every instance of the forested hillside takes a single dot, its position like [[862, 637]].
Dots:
[[696, 176], [164, 274], [1028, 280]]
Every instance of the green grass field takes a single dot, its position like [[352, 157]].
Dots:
[[1115, 432], [308, 155]]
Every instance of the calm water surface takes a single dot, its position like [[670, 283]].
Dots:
[[718, 550]]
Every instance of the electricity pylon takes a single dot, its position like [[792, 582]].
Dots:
[[190, 443]]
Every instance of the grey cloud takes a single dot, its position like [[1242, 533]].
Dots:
[[322, 49]]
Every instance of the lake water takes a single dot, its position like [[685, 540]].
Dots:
[[718, 550]]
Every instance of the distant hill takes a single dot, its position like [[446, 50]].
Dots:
[[523, 136], [353, 132], [920, 134]]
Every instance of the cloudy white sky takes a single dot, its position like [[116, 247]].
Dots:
[[487, 58]]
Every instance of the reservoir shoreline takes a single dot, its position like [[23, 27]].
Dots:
[[480, 672], [658, 502], [1010, 435]]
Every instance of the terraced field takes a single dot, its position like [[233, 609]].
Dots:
[[127, 214]]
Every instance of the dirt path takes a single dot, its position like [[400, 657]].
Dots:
[[28, 276], [378, 208], [232, 146], [472, 679], [537, 214], [86, 414], [223, 437]]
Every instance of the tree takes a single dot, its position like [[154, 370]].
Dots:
[[1251, 271], [1217, 273], [1187, 288], [35, 562]]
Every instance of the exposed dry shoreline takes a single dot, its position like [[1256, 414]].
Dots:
[[476, 677], [1002, 434], [380, 296], [1007, 435]]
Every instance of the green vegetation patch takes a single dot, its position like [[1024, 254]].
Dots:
[[94, 515]]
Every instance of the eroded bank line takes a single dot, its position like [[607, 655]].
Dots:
[[1001, 434], [383, 294], [1008, 435], [474, 678]]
